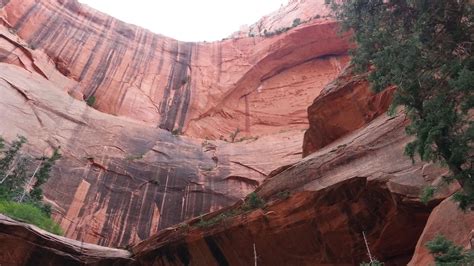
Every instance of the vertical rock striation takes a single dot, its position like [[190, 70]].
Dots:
[[182, 86]]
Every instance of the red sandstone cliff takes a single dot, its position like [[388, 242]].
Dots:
[[304, 11], [124, 176], [183, 86], [318, 208]]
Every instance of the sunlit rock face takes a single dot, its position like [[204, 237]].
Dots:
[[319, 209], [120, 181], [124, 175]]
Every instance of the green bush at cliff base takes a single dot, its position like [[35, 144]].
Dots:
[[29, 214]]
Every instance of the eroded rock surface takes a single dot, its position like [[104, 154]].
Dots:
[[319, 207], [23, 244], [303, 11]]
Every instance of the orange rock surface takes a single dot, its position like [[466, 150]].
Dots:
[[319, 208], [303, 10], [120, 181]]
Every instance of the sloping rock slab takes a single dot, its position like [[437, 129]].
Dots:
[[24, 244]]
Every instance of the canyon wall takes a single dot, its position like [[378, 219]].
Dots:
[[319, 208], [120, 181], [176, 130], [200, 89], [294, 12]]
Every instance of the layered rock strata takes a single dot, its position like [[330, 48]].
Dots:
[[319, 208]]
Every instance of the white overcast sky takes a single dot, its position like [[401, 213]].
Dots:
[[188, 20]]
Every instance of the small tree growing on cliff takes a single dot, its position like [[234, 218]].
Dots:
[[42, 176], [446, 253], [424, 48], [296, 22]]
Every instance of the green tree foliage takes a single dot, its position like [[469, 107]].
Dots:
[[253, 201], [424, 49], [10, 155], [42, 176], [427, 194], [446, 253], [13, 185]]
